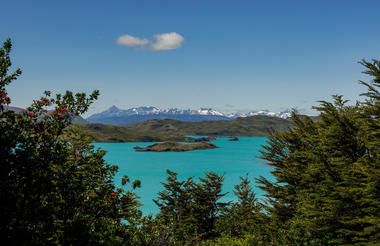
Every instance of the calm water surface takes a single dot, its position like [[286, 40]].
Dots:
[[234, 158]]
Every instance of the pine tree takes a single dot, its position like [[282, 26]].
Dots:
[[327, 172], [368, 167], [206, 205], [174, 204], [244, 216], [188, 210]]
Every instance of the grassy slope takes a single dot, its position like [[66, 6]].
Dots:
[[174, 130], [108, 133], [249, 126]]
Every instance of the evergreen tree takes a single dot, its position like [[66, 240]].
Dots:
[[327, 172], [244, 216], [189, 209], [174, 204], [206, 206]]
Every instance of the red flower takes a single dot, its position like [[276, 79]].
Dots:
[[113, 193], [63, 108], [6, 99], [61, 115], [31, 114], [52, 112], [44, 101]]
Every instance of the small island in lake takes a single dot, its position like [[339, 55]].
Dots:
[[176, 147], [202, 139], [233, 139]]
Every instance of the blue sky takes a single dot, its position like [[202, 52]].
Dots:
[[235, 55]]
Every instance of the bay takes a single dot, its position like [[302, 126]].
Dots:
[[233, 158]]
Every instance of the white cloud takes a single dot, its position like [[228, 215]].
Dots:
[[130, 41], [167, 41], [163, 41]]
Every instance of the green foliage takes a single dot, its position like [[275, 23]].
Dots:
[[188, 210], [243, 240], [54, 187], [5, 65], [245, 216], [327, 172]]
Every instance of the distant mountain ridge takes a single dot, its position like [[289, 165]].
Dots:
[[283, 114], [121, 117]]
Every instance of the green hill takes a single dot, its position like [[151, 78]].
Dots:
[[118, 134], [248, 126], [175, 130]]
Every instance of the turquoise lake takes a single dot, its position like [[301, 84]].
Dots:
[[234, 158]]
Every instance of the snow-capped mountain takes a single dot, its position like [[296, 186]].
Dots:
[[115, 112], [116, 116], [283, 114]]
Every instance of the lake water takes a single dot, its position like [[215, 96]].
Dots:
[[234, 158]]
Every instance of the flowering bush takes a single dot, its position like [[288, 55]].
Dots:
[[54, 187]]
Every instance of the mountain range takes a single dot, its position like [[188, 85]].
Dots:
[[122, 117]]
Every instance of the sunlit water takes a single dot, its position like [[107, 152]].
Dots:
[[234, 158]]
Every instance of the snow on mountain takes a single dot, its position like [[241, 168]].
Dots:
[[283, 114], [207, 111], [116, 116], [116, 112], [146, 111]]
